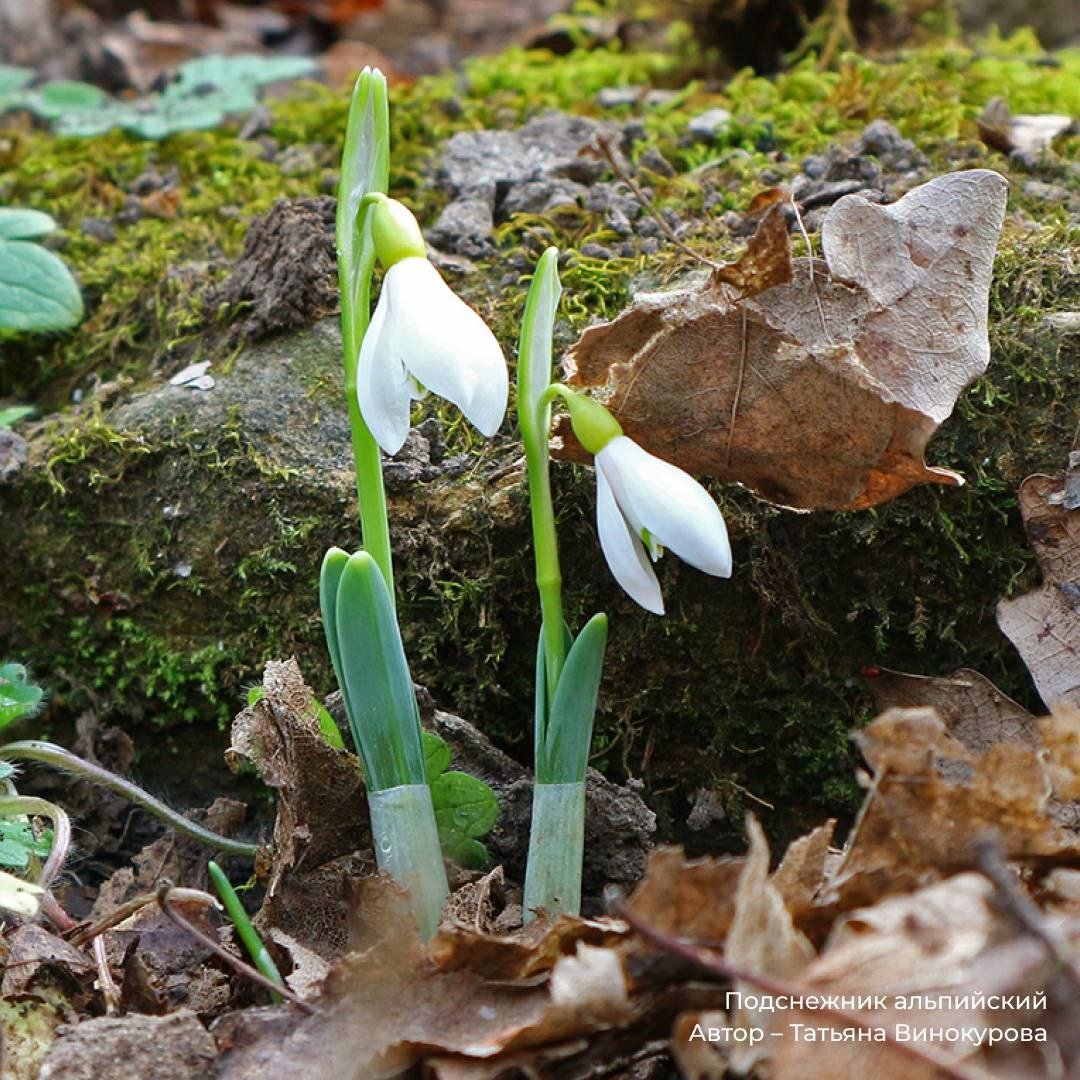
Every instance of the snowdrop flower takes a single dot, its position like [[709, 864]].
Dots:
[[422, 337], [644, 505]]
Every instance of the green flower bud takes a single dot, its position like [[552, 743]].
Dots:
[[593, 425], [395, 233]]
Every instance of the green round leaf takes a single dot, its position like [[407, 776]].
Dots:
[[37, 291], [17, 224]]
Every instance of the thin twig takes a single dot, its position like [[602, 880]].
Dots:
[[708, 961], [110, 992], [165, 891], [87, 932], [605, 149], [1014, 902]]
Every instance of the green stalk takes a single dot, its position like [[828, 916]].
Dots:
[[534, 420], [556, 849], [58, 757], [407, 848], [247, 933], [568, 670], [365, 168]]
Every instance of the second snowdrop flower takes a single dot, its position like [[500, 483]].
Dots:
[[643, 505], [422, 337]]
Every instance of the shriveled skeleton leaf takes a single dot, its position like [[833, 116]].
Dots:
[[815, 390]]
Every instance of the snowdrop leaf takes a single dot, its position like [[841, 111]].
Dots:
[[378, 689], [534, 353], [569, 729]]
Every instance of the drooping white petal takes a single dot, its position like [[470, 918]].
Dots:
[[678, 512], [624, 552], [445, 345], [382, 382]]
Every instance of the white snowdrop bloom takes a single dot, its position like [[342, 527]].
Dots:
[[423, 337], [645, 504]]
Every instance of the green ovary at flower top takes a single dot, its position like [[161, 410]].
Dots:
[[422, 337], [644, 504]]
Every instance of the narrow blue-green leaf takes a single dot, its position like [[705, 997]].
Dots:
[[570, 724], [541, 718], [534, 353], [365, 158], [18, 224], [37, 291], [376, 683], [333, 565]]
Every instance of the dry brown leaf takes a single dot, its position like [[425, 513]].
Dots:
[[386, 1008], [1061, 736], [321, 809], [925, 944], [802, 870], [33, 952], [692, 898], [762, 939], [976, 713], [522, 955], [1045, 625], [917, 822], [822, 390]]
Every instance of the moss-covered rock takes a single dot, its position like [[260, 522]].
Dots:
[[163, 542]]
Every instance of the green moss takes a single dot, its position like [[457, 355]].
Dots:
[[751, 686]]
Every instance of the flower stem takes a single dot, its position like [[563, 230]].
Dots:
[[59, 758], [556, 848], [534, 420], [260, 955]]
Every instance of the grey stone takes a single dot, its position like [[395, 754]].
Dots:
[[655, 162], [882, 141], [611, 97], [709, 124], [13, 454], [492, 174], [173, 1047], [542, 196], [99, 229]]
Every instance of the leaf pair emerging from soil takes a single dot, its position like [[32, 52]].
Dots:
[[816, 384]]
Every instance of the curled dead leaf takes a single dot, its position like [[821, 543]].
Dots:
[[321, 809], [823, 388], [1045, 625]]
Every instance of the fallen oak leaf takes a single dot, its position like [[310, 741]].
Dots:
[[922, 814], [976, 713], [823, 389], [1044, 625]]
